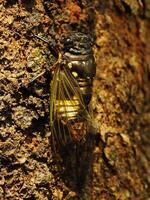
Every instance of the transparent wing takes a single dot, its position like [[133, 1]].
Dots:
[[67, 109]]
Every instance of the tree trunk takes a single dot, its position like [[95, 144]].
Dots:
[[113, 163]]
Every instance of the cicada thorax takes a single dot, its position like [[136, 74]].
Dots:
[[82, 68], [73, 80]]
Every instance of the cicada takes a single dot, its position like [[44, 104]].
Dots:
[[71, 89]]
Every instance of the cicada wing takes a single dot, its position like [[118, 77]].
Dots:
[[57, 103], [53, 90], [66, 106]]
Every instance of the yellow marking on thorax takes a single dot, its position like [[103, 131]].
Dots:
[[75, 74]]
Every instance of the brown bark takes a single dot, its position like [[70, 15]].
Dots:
[[112, 164]]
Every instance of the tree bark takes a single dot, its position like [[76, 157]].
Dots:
[[114, 162]]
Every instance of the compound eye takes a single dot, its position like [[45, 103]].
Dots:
[[75, 74]]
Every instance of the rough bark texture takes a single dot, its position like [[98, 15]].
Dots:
[[115, 165]]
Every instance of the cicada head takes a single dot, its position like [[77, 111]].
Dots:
[[78, 43]]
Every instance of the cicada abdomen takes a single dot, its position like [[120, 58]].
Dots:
[[71, 89]]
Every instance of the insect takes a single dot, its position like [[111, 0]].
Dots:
[[71, 89]]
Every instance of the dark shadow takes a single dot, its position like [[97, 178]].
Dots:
[[28, 4], [77, 159], [10, 3]]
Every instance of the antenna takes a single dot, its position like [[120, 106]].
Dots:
[[41, 38]]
